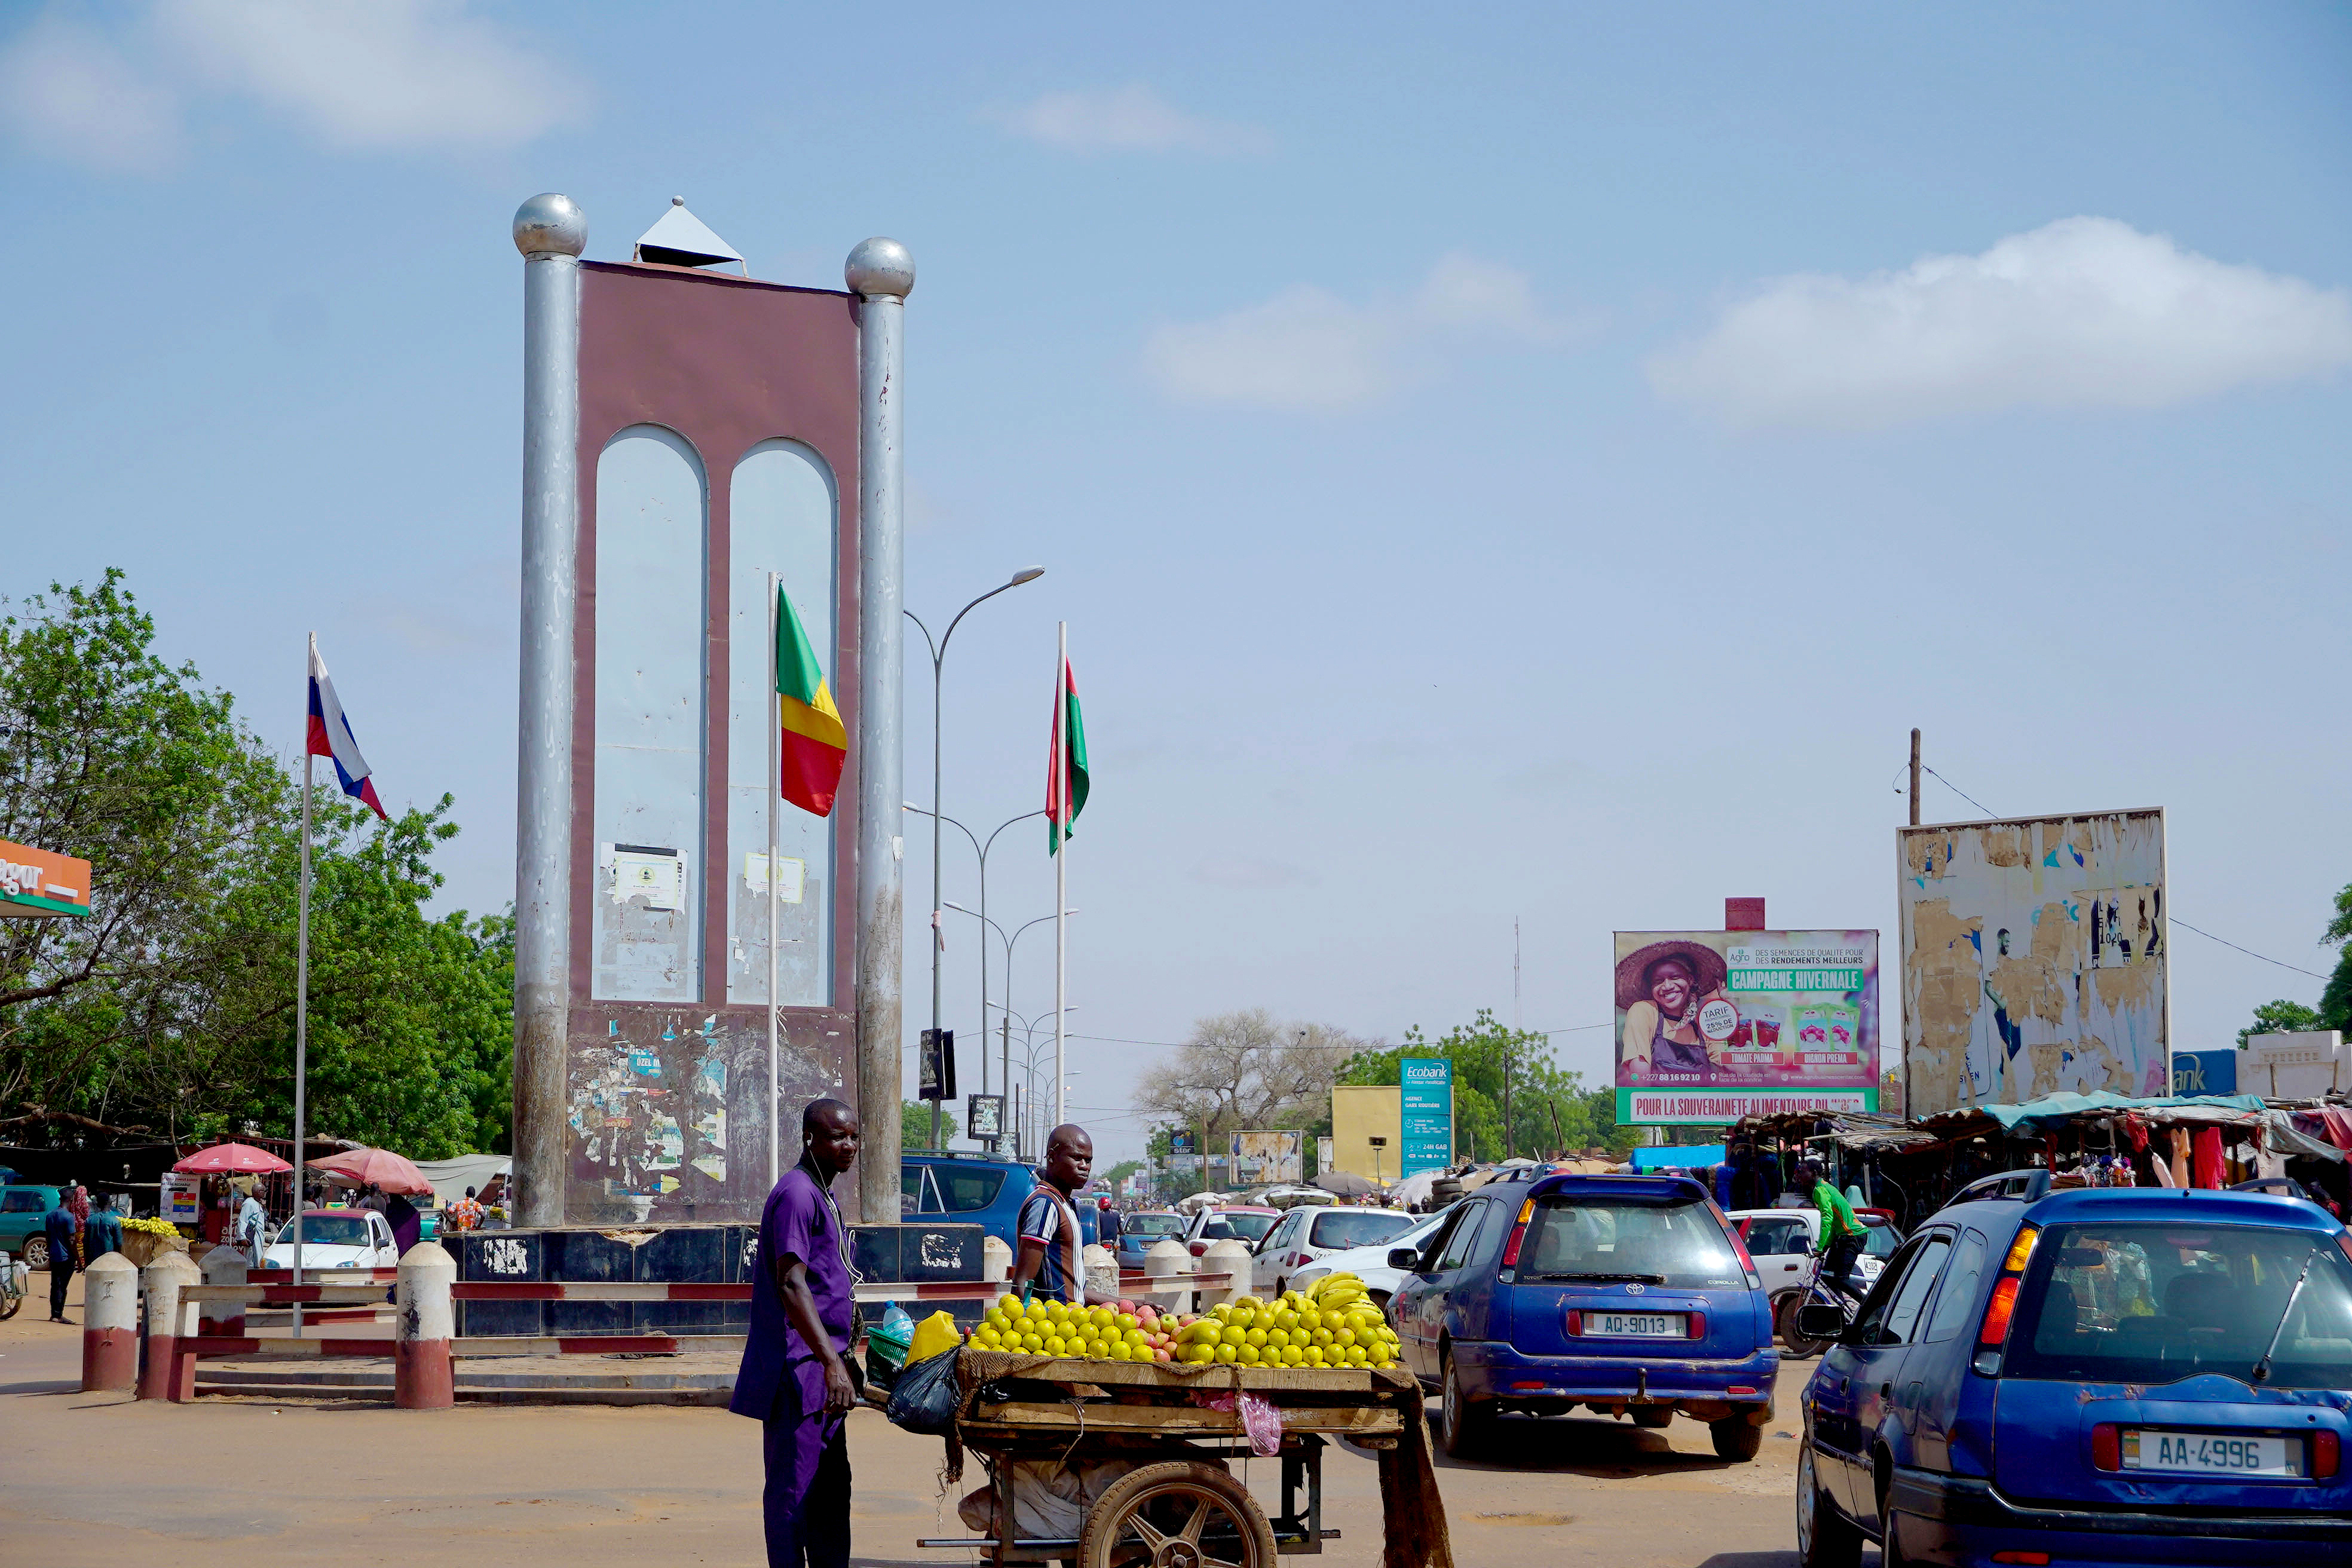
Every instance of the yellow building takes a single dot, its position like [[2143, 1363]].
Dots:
[[1367, 1129]]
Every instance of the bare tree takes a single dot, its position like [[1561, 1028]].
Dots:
[[1247, 1070]]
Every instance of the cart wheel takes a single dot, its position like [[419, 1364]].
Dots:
[[1176, 1515]]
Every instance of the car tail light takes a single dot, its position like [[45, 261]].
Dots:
[[2021, 1251], [2326, 1455], [1697, 1321], [1523, 1388], [1519, 1234], [1199, 1248], [1997, 1313], [2107, 1447], [2037, 1559], [1746, 1264], [1575, 1325], [1994, 1332]]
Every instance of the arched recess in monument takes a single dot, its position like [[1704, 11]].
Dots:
[[652, 552], [783, 511]]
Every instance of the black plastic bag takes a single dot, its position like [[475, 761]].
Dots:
[[925, 1397]]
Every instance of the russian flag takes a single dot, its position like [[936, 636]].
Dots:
[[330, 736]]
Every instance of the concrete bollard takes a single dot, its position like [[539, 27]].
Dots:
[[1170, 1260], [995, 1260], [423, 1377], [167, 1374], [1101, 1267], [1226, 1257], [222, 1266], [109, 1325]]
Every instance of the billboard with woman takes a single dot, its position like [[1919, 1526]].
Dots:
[[1715, 1025]]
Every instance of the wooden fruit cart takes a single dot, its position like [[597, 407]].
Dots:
[[1180, 1506]]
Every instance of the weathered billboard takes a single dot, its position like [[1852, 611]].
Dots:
[[2034, 958], [1261, 1158], [1715, 1025]]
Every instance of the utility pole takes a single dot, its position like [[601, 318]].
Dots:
[[1510, 1044], [1914, 778]]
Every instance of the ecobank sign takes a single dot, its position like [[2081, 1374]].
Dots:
[[1426, 1107]]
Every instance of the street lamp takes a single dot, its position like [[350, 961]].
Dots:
[[981, 850], [939, 647], [1004, 1006]]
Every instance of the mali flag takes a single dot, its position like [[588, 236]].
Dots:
[[813, 743], [1065, 771]]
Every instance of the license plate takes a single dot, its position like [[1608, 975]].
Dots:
[[2210, 1454], [1636, 1325]]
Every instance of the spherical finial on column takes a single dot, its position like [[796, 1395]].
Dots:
[[880, 266], [551, 224]]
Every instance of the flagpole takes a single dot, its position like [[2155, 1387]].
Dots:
[[775, 789], [302, 982], [1061, 863]]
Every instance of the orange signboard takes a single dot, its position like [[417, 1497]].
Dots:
[[36, 884]]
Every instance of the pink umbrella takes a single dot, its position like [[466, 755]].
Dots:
[[379, 1167], [233, 1160]]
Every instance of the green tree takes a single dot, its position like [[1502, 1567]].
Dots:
[[1551, 1110], [2280, 1017], [171, 1007]]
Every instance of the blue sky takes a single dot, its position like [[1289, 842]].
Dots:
[[1515, 463]]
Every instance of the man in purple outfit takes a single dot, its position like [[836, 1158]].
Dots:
[[795, 1373]]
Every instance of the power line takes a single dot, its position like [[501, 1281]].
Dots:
[[2174, 919], [2249, 951]]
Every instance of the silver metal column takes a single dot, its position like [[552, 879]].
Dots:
[[882, 274], [550, 231]]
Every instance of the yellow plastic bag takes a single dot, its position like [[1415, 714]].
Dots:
[[932, 1335]]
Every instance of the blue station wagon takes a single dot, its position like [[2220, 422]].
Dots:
[[1624, 1294], [2121, 1375]]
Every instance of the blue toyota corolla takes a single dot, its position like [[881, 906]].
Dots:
[[1625, 1294], [2136, 1375]]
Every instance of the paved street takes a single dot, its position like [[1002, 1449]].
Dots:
[[99, 1480]]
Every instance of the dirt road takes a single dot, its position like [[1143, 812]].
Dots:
[[92, 1480]]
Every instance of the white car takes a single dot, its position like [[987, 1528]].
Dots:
[[336, 1238], [1781, 1241], [1369, 1264]]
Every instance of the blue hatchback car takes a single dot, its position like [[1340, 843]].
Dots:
[[2121, 1375], [1623, 1294], [962, 1187]]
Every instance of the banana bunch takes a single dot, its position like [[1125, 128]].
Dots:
[[1334, 1324]]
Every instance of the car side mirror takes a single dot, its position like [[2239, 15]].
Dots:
[[1405, 1258], [1819, 1320]]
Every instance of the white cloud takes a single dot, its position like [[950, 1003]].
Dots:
[[2084, 312], [69, 94], [1132, 118], [387, 74], [378, 74], [1308, 348]]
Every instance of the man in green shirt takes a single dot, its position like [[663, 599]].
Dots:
[[1842, 1233]]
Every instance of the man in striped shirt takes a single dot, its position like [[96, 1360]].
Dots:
[[1051, 1244]]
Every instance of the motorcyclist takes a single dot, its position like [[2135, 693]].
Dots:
[[1842, 1233]]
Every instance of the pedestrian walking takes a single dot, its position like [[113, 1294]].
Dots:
[[465, 1214], [63, 1232], [795, 1378], [252, 1230], [78, 1200], [103, 1234]]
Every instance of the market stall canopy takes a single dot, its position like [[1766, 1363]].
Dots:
[[1348, 1184], [375, 1167], [451, 1177], [1416, 1189], [233, 1160], [2054, 1110]]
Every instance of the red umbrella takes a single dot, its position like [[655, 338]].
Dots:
[[382, 1167], [233, 1160]]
